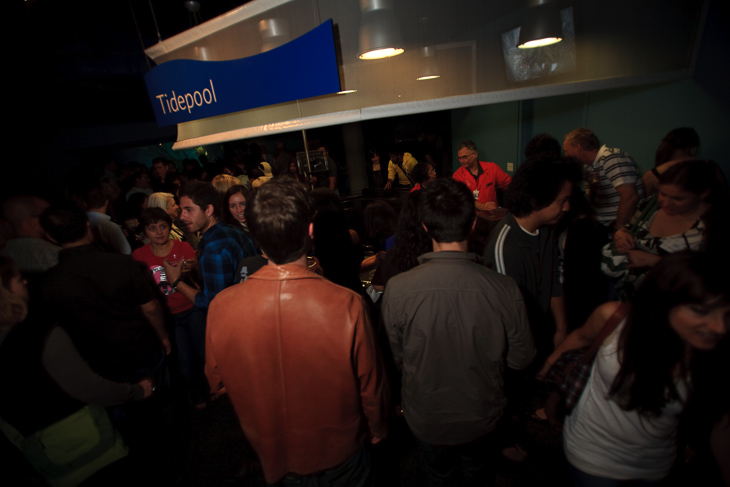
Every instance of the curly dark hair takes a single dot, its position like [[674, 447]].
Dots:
[[537, 182], [542, 145]]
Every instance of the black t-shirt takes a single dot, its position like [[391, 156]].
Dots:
[[96, 296], [248, 266]]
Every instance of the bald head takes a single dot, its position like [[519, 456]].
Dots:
[[22, 212]]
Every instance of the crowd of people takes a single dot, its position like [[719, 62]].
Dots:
[[148, 293]]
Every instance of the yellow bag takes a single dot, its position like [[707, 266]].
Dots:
[[71, 450]]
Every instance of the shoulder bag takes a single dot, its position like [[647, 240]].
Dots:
[[569, 374], [613, 262], [71, 450]]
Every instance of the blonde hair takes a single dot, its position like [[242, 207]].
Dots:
[[222, 182], [583, 137], [160, 200]]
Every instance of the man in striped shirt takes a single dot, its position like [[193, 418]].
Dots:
[[619, 187]]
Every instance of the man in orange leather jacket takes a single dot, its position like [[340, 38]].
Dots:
[[297, 354]]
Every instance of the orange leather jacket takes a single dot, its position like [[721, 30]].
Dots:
[[299, 360]]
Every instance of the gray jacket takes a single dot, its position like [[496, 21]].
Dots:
[[453, 324]]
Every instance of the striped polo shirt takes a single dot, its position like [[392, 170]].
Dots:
[[616, 168]]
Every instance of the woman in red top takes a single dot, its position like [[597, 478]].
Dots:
[[189, 322], [422, 174]]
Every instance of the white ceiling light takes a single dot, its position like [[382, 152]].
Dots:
[[429, 64], [380, 35], [274, 33], [542, 25]]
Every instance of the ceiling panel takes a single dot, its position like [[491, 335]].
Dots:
[[617, 41]]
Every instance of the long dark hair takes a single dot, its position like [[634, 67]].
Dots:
[[679, 138], [225, 211], [375, 152], [411, 240], [649, 349], [338, 255], [380, 221], [705, 179]]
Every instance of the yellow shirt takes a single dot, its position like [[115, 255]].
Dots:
[[408, 163]]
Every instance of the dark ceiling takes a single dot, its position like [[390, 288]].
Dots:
[[87, 57], [82, 62]]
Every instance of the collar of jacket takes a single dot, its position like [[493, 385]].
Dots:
[[448, 255], [284, 272]]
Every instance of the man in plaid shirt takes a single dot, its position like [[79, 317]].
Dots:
[[221, 246]]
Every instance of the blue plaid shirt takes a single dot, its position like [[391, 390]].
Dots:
[[220, 250]]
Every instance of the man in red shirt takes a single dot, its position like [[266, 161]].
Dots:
[[482, 178]]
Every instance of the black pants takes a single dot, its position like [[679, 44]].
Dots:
[[466, 464]]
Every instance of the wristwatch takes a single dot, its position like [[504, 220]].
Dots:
[[177, 281]]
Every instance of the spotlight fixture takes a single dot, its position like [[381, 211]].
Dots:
[[542, 25], [274, 33], [380, 35], [429, 64], [202, 53]]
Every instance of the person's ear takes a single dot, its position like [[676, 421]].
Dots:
[[424, 227], [209, 210], [311, 231]]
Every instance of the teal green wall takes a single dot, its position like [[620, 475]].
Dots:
[[633, 119], [494, 129]]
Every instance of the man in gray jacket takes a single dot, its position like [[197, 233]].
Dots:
[[453, 326]]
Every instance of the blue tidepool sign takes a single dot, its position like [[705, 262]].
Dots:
[[184, 90]]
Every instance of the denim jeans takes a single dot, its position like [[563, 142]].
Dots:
[[466, 464], [189, 338], [354, 472]]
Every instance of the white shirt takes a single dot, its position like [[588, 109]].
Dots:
[[602, 439]]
